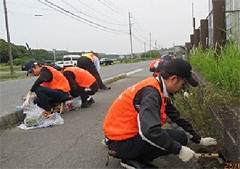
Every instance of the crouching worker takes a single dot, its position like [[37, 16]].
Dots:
[[82, 84], [51, 87], [156, 66], [133, 124]]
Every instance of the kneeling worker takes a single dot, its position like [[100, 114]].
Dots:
[[51, 87], [82, 84], [133, 124]]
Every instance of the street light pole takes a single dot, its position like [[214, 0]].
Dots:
[[8, 39], [54, 55]]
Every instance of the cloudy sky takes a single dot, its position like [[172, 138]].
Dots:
[[101, 25]]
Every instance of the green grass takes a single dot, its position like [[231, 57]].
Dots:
[[7, 76], [107, 82], [6, 68], [222, 70]]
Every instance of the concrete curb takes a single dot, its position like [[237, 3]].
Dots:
[[11, 119], [18, 116]]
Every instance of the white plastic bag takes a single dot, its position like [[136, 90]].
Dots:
[[33, 115], [73, 104], [34, 118]]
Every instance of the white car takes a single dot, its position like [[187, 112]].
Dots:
[[59, 63]]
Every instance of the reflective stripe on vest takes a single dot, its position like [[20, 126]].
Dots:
[[58, 81], [82, 77], [89, 55], [121, 120]]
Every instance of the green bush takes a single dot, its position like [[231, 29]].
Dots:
[[20, 61], [154, 54]]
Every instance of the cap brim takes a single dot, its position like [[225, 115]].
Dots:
[[29, 71], [192, 81]]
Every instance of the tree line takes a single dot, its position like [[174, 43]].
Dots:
[[21, 54]]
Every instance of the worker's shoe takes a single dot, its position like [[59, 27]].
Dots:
[[133, 164], [88, 102], [106, 88]]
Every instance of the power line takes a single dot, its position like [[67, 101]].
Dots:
[[79, 18], [90, 16], [115, 6], [107, 5]]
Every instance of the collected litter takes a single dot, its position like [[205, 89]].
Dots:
[[36, 119]]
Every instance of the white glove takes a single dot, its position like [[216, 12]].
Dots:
[[186, 154], [208, 141], [186, 94], [30, 97]]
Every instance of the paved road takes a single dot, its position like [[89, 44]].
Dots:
[[76, 143], [13, 90]]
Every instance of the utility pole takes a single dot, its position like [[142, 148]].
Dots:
[[130, 33], [150, 44], [8, 39], [145, 49], [193, 17], [54, 55]]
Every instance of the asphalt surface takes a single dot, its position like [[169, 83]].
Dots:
[[13, 91], [76, 143]]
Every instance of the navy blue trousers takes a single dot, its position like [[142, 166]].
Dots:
[[47, 98], [137, 149]]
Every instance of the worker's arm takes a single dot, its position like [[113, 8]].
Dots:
[[45, 76], [71, 79], [175, 116], [148, 102], [96, 62]]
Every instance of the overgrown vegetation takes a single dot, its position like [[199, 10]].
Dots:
[[220, 96], [222, 70]]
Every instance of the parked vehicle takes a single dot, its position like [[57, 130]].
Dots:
[[70, 60], [106, 61], [59, 63], [48, 63]]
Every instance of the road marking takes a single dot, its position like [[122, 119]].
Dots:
[[122, 74]]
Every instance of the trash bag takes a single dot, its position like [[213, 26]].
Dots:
[[73, 104], [35, 119], [33, 115]]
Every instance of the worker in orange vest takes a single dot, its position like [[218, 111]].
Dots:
[[133, 124], [51, 87], [90, 62], [156, 66], [82, 84]]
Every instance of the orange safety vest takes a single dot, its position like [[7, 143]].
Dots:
[[151, 66], [121, 120], [58, 81], [82, 77], [89, 55]]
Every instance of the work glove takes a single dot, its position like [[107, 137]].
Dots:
[[208, 141], [186, 154], [186, 94], [30, 96]]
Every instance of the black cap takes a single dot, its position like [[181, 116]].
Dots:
[[166, 59], [180, 68], [29, 66]]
